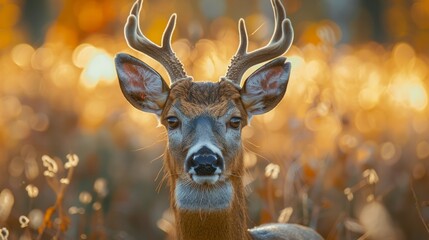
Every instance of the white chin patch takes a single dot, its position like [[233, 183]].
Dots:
[[205, 179], [196, 197]]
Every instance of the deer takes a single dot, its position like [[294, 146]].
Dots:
[[204, 120]]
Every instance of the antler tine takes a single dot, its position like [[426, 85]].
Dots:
[[163, 54], [279, 15], [242, 31], [280, 42]]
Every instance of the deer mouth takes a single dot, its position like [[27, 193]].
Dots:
[[211, 178]]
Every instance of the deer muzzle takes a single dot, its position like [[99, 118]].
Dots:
[[204, 166]]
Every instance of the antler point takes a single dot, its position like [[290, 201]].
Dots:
[[163, 54], [278, 45]]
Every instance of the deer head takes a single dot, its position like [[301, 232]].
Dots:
[[204, 119]]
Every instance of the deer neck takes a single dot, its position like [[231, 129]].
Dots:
[[227, 223]]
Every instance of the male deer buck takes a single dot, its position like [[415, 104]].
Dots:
[[204, 155]]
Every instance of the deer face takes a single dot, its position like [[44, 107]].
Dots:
[[204, 122], [204, 119]]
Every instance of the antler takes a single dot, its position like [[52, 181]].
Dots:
[[163, 54], [280, 42]]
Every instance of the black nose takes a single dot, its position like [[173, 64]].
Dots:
[[205, 162]]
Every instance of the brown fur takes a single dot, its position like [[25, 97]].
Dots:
[[212, 98]]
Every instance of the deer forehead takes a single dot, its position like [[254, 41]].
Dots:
[[197, 98]]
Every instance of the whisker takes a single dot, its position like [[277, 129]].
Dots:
[[257, 154], [159, 172], [231, 174], [163, 133], [158, 188], [253, 144], [150, 145], [160, 156], [257, 29], [164, 178]]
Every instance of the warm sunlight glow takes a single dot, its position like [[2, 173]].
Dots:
[[345, 151], [410, 91], [21, 54], [97, 64]]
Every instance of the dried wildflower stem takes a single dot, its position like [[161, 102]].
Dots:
[[335, 226], [98, 217], [348, 215], [58, 206], [305, 213], [416, 202], [358, 186], [314, 217], [270, 199]]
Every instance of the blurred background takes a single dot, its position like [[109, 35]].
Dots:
[[346, 151]]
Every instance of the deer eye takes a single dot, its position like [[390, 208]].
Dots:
[[172, 122], [235, 122]]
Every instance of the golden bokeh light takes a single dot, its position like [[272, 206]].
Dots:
[[97, 65], [21, 54], [42, 58], [7, 201], [422, 149], [340, 152], [36, 218], [408, 90]]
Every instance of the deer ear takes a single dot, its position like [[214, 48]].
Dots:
[[141, 85], [264, 89]]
